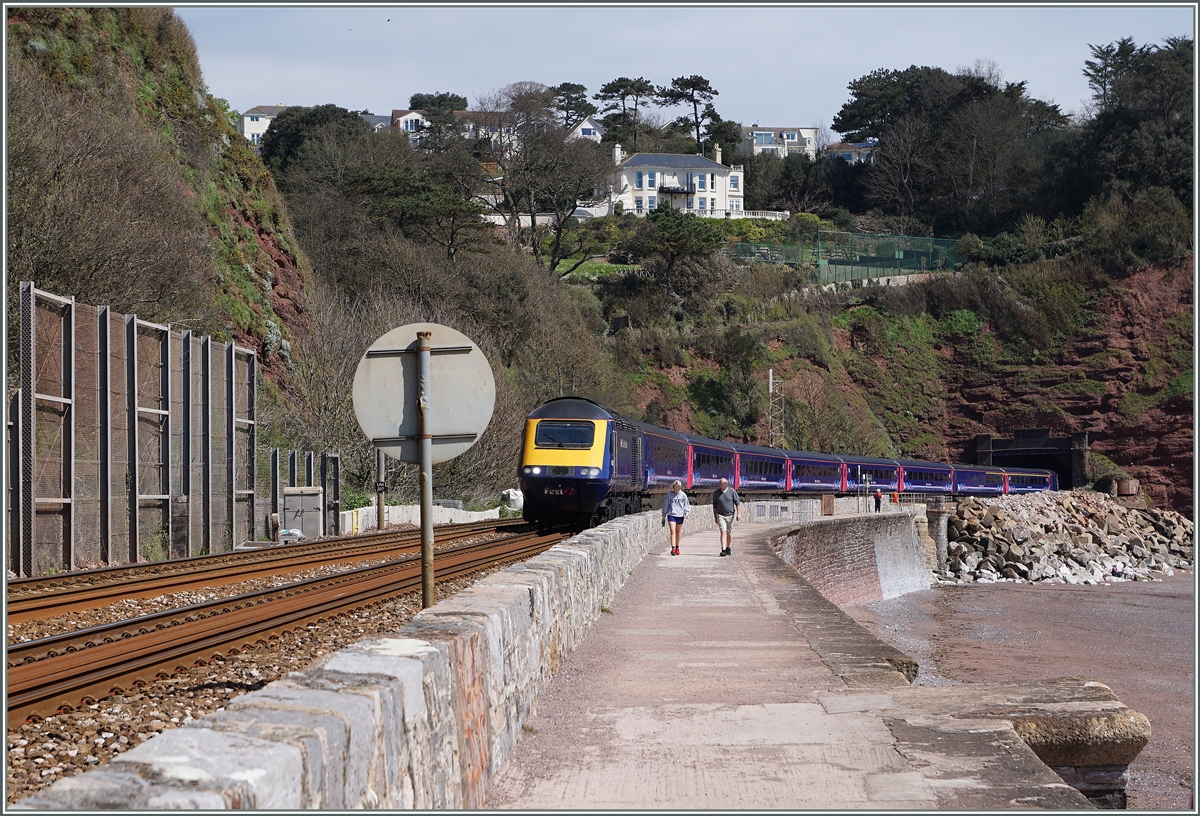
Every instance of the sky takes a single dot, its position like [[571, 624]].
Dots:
[[773, 65]]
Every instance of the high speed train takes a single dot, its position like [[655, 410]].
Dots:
[[582, 464]]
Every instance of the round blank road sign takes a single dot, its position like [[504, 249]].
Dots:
[[461, 393]]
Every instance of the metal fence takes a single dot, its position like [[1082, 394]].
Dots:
[[328, 478], [852, 256], [128, 441], [844, 257]]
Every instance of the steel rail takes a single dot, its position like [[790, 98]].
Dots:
[[39, 599], [47, 675]]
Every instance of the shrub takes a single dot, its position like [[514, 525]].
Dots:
[[1130, 233], [808, 337], [961, 324], [970, 248]]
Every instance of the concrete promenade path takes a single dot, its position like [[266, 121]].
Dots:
[[728, 683]]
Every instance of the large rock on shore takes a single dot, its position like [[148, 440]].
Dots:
[[1063, 537]]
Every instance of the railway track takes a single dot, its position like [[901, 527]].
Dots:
[[48, 596], [63, 671]]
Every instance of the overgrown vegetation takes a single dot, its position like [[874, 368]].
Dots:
[[128, 184], [646, 315]]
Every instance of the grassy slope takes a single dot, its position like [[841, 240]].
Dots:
[[259, 276], [916, 386]]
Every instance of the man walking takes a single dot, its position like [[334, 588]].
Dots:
[[727, 508]]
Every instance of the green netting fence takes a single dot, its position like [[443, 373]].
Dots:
[[841, 257]]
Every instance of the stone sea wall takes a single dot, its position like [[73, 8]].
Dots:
[[852, 560], [419, 719]]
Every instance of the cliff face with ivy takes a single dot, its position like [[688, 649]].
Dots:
[[130, 186]]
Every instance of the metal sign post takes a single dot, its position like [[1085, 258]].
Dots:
[[423, 346], [424, 394]]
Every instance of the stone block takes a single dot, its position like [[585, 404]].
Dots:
[[252, 772], [320, 708], [321, 742]]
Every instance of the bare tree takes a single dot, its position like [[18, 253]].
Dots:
[[97, 208], [898, 165]]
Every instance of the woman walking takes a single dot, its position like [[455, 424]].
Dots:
[[674, 510]]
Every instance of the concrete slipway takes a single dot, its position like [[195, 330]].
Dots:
[[726, 683]]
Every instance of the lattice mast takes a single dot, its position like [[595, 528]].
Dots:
[[774, 409]]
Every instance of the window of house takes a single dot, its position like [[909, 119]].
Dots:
[[789, 137], [650, 178], [736, 204], [847, 156], [703, 179], [762, 138], [733, 183], [703, 202], [588, 131], [253, 118], [637, 180], [691, 202], [254, 138], [651, 202], [637, 203], [807, 140]]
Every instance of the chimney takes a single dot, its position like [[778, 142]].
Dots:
[[616, 154], [717, 153]]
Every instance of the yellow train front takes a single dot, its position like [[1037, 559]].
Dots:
[[566, 464]]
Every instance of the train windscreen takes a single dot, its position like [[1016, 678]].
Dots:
[[564, 433]]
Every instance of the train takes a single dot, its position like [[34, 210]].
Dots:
[[582, 464]]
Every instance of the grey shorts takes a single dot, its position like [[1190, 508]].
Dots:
[[725, 523]]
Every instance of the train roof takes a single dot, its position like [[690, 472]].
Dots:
[[917, 463], [708, 443], [819, 457], [760, 450], [868, 460], [1036, 471], [570, 408], [657, 431]]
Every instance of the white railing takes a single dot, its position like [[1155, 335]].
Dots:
[[362, 520], [599, 210]]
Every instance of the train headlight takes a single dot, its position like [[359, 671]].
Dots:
[[527, 470], [536, 471], [594, 472]]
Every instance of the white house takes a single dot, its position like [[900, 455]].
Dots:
[[411, 122], [254, 122], [779, 141], [376, 122], [645, 181], [853, 152], [589, 129]]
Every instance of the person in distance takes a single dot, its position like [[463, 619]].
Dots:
[[727, 508], [674, 510]]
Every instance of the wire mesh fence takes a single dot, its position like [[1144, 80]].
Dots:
[[850, 257], [125, 437]]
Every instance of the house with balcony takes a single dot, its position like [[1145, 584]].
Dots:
[[411, 122], [696, 184], [853, 152], [254, 123], [779, 141]]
